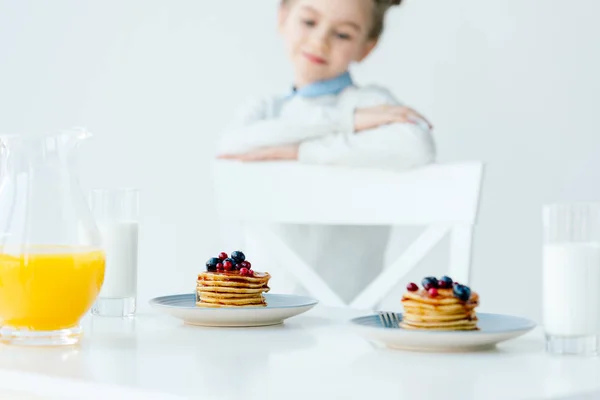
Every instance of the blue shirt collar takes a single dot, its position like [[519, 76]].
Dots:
[[327, 87]]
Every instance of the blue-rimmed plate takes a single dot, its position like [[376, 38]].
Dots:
[[279, 307], [493, 329]]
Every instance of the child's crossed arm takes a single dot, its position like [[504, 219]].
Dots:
[[383, 134]]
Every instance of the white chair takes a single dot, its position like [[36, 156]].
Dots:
[[442, 197]]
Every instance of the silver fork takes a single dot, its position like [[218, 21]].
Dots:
[[389, 319]]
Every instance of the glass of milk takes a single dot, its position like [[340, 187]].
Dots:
[[571, 278], [116, 212]]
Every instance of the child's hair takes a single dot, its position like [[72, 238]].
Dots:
[[379, 9]]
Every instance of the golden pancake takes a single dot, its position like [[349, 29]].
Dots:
[[257, 296], [421, 296], [234, 302], [417, 319], [214, 305], [429, 308], [216, 295], [448, 324], [231, 284], [230, 295], [454, 328], [259, 300], [444, 297], [436, 318], [234, 276], [223, 289]]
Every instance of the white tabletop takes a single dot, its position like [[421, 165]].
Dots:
[[311, 356]]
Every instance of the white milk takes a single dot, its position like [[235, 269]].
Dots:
[[120, 242], [571, 286]]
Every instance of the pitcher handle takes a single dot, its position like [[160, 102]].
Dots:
[[3, 159]]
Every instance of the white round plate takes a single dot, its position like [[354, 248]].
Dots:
[[279, 307], [494, 328]]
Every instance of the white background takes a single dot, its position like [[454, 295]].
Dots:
[[512, 83]]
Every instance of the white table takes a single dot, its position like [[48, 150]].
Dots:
[[311, 356]]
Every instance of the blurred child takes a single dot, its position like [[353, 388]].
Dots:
[[328, 119]]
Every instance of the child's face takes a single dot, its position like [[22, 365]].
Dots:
[[323, 37]]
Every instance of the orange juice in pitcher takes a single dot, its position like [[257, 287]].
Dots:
[[49, 288], [51, 260]]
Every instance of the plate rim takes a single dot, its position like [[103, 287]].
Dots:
[[530, 326], [155, 302]]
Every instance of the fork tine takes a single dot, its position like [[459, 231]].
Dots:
[[381, 318], [395, 317], [389, 320], [395, 320]]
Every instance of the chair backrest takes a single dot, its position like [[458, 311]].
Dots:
[[444, 197], [285, 192]]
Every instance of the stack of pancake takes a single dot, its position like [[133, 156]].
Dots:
[[231, 289], [444, 312]]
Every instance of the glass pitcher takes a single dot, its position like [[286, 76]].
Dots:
[[51, 259]]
